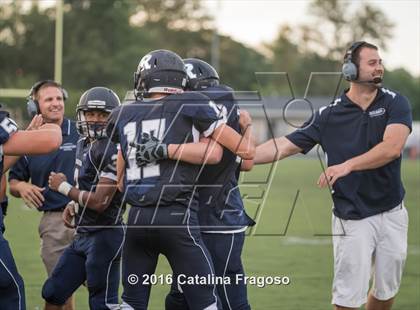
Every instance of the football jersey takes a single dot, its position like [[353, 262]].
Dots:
[[174, 119], [7, 128], [93, 161], [221, 206]]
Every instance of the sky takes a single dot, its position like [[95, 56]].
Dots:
[[256, 21]]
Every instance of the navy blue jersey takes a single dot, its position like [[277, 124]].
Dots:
[[221, 206], [7, 128], [93, 161], [344, 131], [37, 168], [176, 119]]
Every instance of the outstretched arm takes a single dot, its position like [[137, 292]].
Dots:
[[275, 149]]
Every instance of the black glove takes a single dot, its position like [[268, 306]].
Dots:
[[3, 205], [149, 150]]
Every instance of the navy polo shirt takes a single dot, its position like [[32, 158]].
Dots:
[[37, 168], [344, 131]]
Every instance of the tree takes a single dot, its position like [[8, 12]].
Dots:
[[26, 48], [346, 25], [172, 14], [406, 84]]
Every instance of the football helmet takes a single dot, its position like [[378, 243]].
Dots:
[[160, 71], [200, 74], [99, 99]]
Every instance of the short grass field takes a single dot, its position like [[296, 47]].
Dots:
[[289, 240]]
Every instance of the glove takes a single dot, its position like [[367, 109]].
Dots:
[[149, 150], [3, 205]]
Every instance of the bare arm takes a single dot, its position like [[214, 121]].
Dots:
[[120, 171], [207, 151], [389, 149], [381, 154], [247, 165], [3, 184], [241, 145], [34, 142], [35, 124], [30, 193], [9, 161], [44, 140], [97, 200], [13, 190], [275, 149]]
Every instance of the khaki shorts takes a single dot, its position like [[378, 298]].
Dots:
[[55, 237], [375, 246]]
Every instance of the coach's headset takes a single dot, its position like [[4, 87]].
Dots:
[[350, 70], [32, 104]]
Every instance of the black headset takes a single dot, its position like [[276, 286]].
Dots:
[[350, 70], [32, 104]]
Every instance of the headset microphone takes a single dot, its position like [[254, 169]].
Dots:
[[376, 80]]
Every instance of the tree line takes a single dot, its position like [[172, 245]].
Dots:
[[104, 41]]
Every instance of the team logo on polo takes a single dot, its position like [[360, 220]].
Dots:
[[377, 112], [68, 147]]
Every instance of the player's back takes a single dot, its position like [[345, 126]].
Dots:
[[221, 206], [223, 97], [174, 119]]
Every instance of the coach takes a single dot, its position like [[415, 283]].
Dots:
[[47, 98], [363, 133]]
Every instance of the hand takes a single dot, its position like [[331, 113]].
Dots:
[[333, 173], [35, 123], [149, 150], [55, 179], [245, 119], [69, 214], [31, 194]]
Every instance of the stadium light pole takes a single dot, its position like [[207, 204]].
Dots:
[[58, 57], [215, 44]]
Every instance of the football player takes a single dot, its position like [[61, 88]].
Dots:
[[163, 193], [94, 255], [222, 216], [42, 139]]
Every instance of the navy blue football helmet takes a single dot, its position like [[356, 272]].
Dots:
[[160, 71], [201, 75], [96, 98]]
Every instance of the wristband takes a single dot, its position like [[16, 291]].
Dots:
[[80, 199], [64, 188]]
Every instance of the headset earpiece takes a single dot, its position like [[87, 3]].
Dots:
[[33, 107], [32, 104], [349, 69]]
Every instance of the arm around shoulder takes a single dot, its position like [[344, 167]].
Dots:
[[207, 151]]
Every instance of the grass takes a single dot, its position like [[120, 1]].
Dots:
[[280, 245]]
